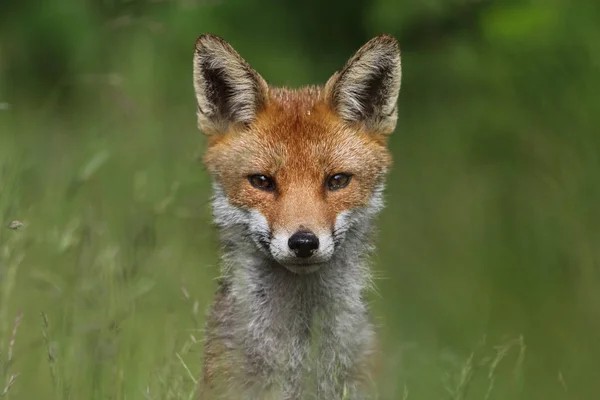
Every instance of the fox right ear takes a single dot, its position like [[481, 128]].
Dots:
[[228, 91], [366, 90]]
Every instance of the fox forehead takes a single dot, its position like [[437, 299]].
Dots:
[[297, 136]]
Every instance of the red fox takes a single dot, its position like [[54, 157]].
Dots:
[[298, 177]]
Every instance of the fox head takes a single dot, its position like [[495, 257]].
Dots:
[[297, 171]]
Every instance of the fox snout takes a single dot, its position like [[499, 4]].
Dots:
[[302, 249]]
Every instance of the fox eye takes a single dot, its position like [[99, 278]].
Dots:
[[338, 181], [262, 182]]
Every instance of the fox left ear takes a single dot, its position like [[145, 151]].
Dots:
[[228, 90], [366, 89]]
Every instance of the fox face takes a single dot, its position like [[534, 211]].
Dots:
[[297, 170]]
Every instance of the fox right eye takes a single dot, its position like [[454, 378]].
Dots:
[[262, 182]]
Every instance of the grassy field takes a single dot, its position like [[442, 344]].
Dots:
[[488, 261]]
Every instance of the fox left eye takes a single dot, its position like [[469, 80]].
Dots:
[[338, 181], [262, 182]]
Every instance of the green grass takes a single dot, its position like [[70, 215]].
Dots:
[[487, 261], [112, 268], [105, 284]]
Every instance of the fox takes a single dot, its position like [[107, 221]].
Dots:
[[298, 178]]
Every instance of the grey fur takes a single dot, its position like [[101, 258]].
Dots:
[[274, 316]]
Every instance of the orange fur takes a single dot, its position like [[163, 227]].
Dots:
[[300, 140]]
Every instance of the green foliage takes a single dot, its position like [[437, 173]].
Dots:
[[107, 256]]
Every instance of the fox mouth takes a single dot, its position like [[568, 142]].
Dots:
[[302, 265], [304, 268]]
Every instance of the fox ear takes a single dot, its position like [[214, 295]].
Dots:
[[366, 89], [229, 92]]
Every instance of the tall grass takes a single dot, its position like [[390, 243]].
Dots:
[[107, 254]]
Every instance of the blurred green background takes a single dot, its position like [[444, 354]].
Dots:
[[488, 260]]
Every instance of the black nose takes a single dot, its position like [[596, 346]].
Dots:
[[303, 243]]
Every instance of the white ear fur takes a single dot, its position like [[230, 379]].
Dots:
[[228, 90], [366, 89]]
